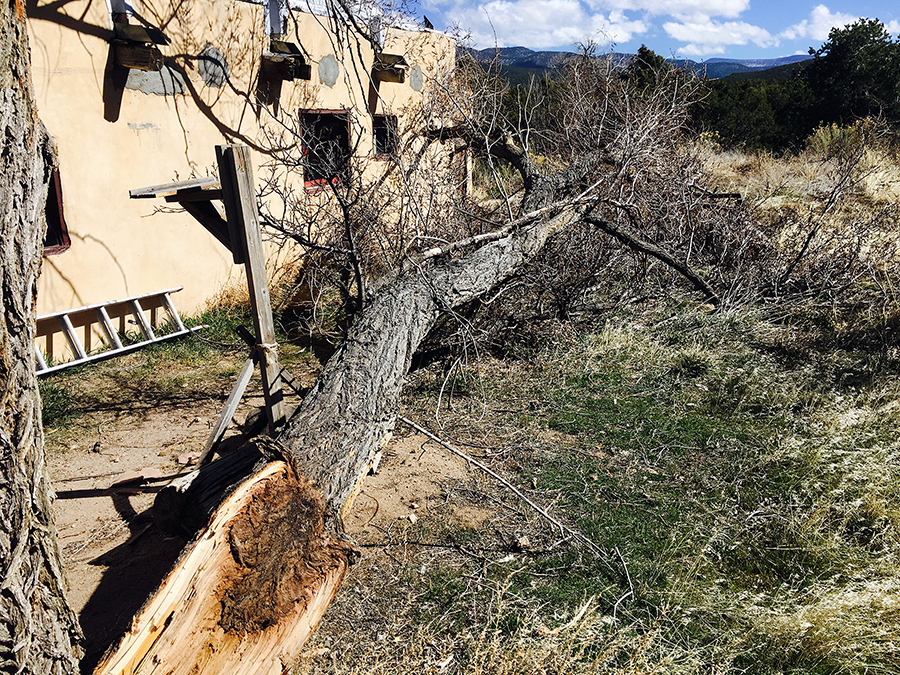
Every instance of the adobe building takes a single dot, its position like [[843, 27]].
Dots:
[[138, 95]]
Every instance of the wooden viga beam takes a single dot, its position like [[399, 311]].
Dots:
[[248, 593]]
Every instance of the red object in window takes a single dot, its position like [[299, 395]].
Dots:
[[325, 146]]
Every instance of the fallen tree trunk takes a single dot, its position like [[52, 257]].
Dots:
[[223, 609]]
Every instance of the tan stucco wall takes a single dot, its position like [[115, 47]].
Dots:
[[125, 247]]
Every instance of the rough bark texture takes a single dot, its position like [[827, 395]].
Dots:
[[256, 582], [334, 434], [37, 627]]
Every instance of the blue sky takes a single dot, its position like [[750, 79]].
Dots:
[[696, 29]]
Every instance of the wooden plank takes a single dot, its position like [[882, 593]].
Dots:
[[138, 56], [389, 74], [171, 188], [231, 404], [240, 208], [232, 199]]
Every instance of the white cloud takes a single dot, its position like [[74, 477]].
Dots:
[[819, 24], [682, 9], [705, 36], [542, 24]]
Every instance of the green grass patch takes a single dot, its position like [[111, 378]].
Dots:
[[743, 476]]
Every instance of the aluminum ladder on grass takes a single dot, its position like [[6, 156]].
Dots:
[[128, 311]]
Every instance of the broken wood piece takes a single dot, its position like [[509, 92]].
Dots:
[[185, 505], [147, 474], [188, 458], [231, 404], [249, 592]]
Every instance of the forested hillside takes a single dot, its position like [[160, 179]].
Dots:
[[772, 105], [854, 75]]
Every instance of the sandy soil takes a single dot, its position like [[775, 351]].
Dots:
[[115, 557]]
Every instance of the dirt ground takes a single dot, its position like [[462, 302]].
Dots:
[[115, 557]]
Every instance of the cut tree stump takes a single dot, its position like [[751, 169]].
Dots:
[[249, 591]]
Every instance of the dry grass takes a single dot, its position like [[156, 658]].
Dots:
[[774, 182], [587, 642], [744, 465]]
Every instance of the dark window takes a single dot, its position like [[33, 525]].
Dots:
[[326, 146], [57, 238], [384, 132]]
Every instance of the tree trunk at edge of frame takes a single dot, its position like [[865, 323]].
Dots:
[[38, 630]]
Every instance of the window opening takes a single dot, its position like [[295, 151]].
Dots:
[[56, 240], [384, 133], [326, 146]]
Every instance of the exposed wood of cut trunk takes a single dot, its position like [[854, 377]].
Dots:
[[221, 610], [199, 621]]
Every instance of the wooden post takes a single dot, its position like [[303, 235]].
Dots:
[[236, 176]]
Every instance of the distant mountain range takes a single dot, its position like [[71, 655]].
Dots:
[[520, 64]]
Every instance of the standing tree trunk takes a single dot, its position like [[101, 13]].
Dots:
[[38, 629]]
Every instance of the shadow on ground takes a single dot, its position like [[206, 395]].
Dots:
[[135, 569]]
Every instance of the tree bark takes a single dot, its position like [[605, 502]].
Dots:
[[38, 630], [335, 432], [254, 584], [641, 245]]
